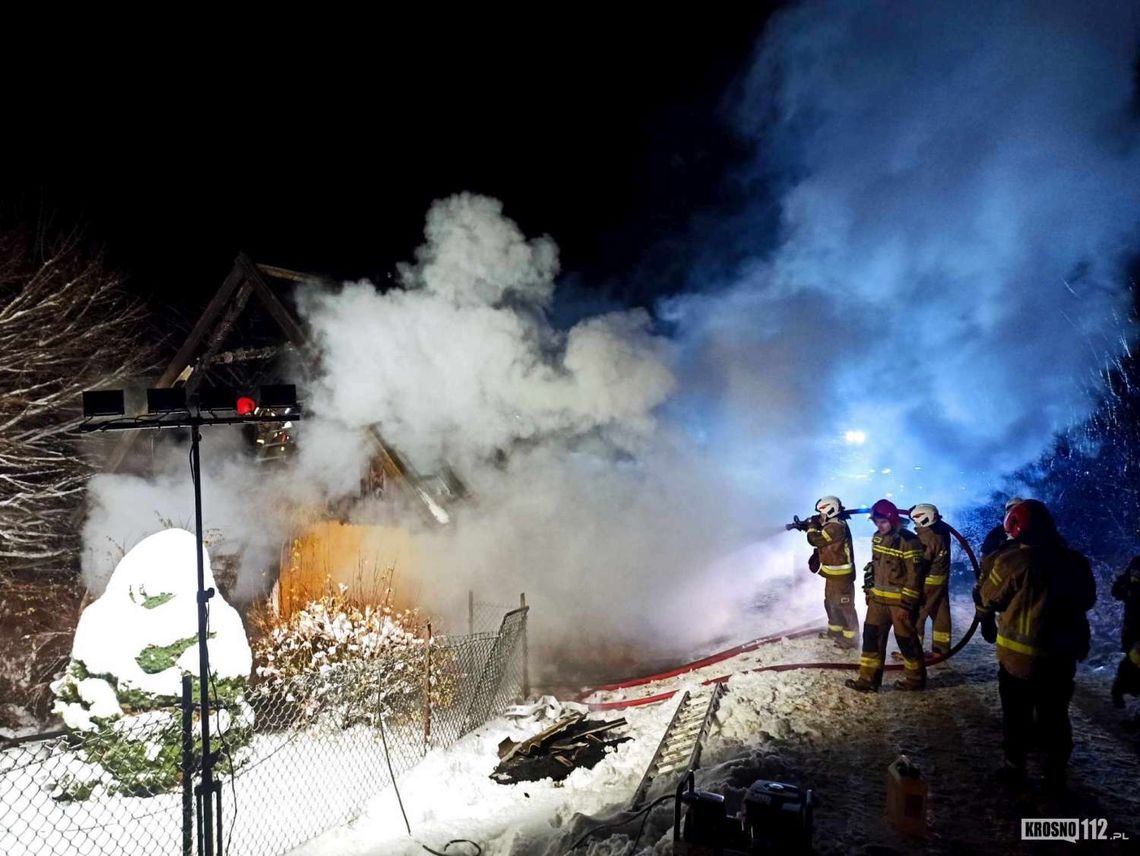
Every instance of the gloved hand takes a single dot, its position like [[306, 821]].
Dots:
[[988, 626], [977, 594], [813, 562], [868, 576]]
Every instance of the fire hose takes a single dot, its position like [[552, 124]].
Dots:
[[793, 633]]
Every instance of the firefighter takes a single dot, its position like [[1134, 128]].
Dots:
[[1042, 590], [831, 537], [934, 534], [1126, 587], [892, 581], [997, 538]]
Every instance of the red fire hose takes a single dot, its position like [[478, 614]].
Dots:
[[794, 633]]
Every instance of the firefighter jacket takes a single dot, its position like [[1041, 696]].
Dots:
[[833, 541], [1126, 587], [936, 552], [995, 540], [896, 569], [1042, 592]]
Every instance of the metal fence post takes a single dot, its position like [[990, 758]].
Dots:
[[187, 768], [525, 650], [427, 692]]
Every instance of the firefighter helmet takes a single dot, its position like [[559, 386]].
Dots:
[[884, 509], [925, 514], [828, 507], [1029, 518]]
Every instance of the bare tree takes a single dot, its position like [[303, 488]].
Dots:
[[66, 325]]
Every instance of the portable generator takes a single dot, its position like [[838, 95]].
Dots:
[[775, 818]]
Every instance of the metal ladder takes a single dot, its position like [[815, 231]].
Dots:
[[679, 751]]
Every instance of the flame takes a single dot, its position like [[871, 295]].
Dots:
[[366, 564]]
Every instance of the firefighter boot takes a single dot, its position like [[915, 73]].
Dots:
[[861, 685]]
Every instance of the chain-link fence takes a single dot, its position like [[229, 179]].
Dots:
[[296, 759], [484, 616]]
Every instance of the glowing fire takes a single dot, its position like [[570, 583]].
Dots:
[[369, 564]]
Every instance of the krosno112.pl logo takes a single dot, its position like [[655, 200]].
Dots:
[[1069, 829]]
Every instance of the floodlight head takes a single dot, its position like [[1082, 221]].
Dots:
[[168, 400], [102, 402], [278, 395], [217, 398]]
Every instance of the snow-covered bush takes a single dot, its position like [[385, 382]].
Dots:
[[339, 663], [122, 689]]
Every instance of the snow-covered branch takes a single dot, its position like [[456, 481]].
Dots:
[[66, 325]]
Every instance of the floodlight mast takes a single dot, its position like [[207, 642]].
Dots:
[[191, 417]]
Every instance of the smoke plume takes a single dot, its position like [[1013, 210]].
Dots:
[[959, 185]]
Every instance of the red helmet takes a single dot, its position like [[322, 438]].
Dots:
[[884, 509], [1029, 517]]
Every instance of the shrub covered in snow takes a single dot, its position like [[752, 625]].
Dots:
[[122, 688], [340, 662]]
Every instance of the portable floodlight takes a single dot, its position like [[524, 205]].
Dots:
[[172, 400], [102, 402], [216, 398], [278, 395], [169, 408]]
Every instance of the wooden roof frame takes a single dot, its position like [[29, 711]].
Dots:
[[248, 279]]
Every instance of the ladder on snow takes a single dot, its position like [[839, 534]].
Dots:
[[679, 751]]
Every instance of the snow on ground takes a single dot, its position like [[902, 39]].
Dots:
[[801, 727]]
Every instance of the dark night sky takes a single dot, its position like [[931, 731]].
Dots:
[[320, 147]]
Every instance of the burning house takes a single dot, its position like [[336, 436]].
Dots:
[[245, 336]]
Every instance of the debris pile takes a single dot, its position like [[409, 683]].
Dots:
[[572, 741]]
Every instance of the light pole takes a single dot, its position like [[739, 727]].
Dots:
[[169, 408]]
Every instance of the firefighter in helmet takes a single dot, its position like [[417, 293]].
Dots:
[[934, 534], [829, 533], [1042, 590], [997, 538], [1126, 587], [892, 581]]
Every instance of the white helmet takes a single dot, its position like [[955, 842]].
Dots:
[[924, 514], [1011, 502], [828, 507]]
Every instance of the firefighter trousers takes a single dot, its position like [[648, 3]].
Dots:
[[839, 601], [1047, 695], [936, 606], [876, 630]]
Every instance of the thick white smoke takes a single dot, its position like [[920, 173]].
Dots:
[[461, 362], [959, 185], [582, 499]]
